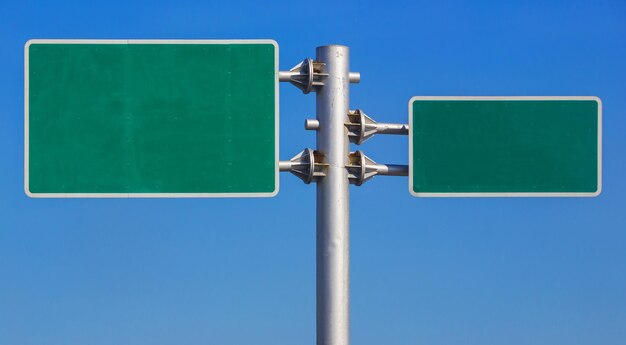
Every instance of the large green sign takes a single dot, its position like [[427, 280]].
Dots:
[[156, 118], [505, 146]]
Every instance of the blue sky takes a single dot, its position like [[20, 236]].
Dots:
[[240, 271]]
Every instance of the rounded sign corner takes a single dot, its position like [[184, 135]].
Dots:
[[274, 192], [597, 192], [272, 42], [597, 100], [413, 99], [29, 193], [28, 43]]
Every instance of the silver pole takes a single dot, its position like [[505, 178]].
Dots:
[[333, 224]]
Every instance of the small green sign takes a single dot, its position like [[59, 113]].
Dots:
[[151, 118], [505, 146]]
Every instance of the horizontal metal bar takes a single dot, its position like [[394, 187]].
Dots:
[[311, 124], [392, 169], [392, 128], [285, 165], [286, 75], [381, 169], [355, 77]]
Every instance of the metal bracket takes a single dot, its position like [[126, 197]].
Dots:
[[309, 74], [361, 168], [306, 75], [306, 165], [362, 127]]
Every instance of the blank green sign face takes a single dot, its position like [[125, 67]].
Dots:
[[151, 118], [505, 146]]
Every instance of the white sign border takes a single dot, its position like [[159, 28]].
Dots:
[[506, 98], [151, 195]]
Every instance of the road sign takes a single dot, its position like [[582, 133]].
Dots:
[[505, 146], [151, 118]]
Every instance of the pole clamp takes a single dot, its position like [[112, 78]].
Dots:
[[306, 76], [362, 127], [361, 168], [306, 165]]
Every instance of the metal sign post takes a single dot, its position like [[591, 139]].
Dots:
[[333, 212], [329, 76], [333, 167]]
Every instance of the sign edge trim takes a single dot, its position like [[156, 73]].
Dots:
[[515, 194], [152, 195]]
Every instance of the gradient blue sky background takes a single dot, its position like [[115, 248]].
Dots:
[[242, 271]]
